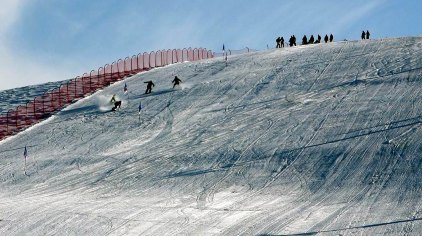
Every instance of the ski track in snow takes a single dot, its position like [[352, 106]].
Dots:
[[312, 140]]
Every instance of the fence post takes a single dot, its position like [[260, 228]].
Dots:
[[16, 116], [118, 69], [133, 70], [7, 122], [26, 116], [35, 116], [137, 63], [124, 66]]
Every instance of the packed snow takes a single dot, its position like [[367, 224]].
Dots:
[[311, 140]]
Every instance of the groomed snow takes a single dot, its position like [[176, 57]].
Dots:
[[320, 139]]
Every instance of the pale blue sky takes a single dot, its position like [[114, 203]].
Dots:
[[50, 40]]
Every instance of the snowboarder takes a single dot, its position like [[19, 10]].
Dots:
[[331, 37], [363, 35], [326, 38], [150, 84], [367, 34], [176, 81]]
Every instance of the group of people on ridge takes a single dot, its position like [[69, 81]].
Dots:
[[365, 35], [176, 81], [312, 40]]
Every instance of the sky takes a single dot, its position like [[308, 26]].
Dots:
[[53, 40]]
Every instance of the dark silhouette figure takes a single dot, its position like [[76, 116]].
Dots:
[[278, 40], [331, 37], [176, 81], [367, 34], [150, 84], [326, 38], [282, 42], [292, 41], [318, 39], [311, 39], [304, 40], [363, 35], [117, 104]]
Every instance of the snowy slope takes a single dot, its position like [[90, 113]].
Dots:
[[11, 98], [319, 139]]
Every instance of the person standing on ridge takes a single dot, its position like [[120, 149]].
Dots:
[[304, 40], [362, 36], [282, 42], [278, 42], [291, 41], [367, 34], [331, 37], [319, 39], [150, 84], [326, 38], [176, 81], [311, 39]]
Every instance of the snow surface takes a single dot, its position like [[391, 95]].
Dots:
[[319, 139]]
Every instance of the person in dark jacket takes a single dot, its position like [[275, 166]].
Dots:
[[326, 38], [278, 42], [311, 39], [331, 37], [367, 34], [291, 41], [304, 40], [319, 39], [176, 81], [362, 36], [150, 84], [282, 42]]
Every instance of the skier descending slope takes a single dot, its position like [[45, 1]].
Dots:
[[116, 103], [176, 81], [150, 84]]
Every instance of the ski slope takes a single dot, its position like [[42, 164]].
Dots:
[[311, 140]]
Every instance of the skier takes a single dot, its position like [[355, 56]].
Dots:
[[326, 38], [117, 104], [331, 37], [367, 34], [150, 84], [176, 81], [363, 35]]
